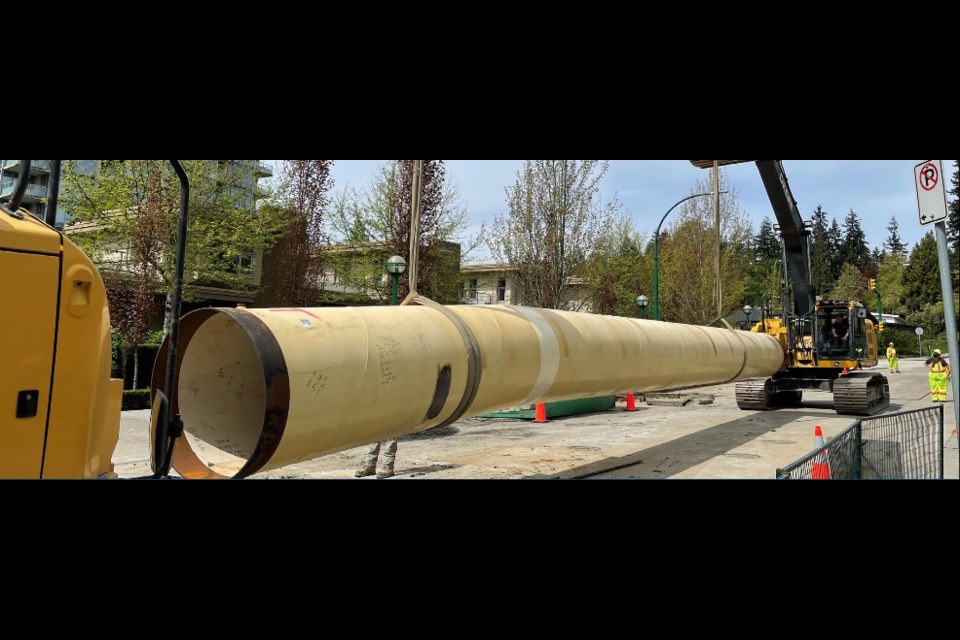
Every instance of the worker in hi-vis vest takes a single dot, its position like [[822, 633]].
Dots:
[[939, 374], [892, 360]]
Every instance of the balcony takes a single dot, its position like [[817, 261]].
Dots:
[[37, 167], [264, 170], [34, 192], [477, 297]]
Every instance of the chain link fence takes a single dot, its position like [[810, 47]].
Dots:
[[907, 445]]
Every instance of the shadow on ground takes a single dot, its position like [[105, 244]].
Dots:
[[435, 432], [416, 472], [685, 452]]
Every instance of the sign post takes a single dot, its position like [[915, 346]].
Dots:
[[919, 332], [929, 181]]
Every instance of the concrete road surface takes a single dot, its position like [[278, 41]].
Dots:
[[717, 440]]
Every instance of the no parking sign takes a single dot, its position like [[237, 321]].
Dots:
[[931, 193]]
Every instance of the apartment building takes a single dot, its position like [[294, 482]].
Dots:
[[35, 197], [491, 283]]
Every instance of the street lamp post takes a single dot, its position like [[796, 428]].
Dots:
[[656, 253], [395, 266], [642, 302], [747, 309]]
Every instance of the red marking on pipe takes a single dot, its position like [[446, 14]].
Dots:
[[295, 310]]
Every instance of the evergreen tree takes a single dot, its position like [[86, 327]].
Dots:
[[835, 238], [893, 244], [821, 268], [921, 282], [877, 256], [853, 247], [766, 244]]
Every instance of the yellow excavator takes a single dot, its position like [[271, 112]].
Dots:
[[827, 342], [59, 407]]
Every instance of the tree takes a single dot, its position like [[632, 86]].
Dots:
[[890, 283], [953, 225], [224, 231], [836, 259], [822, 274], [687, 258], [374, 223], [617, 271], [436, 210], [931, 317], [853, 247], [893, 244], [850, 285], [766, 245], [133, 304], [921, 281], [132, 295], [554, 220], [293, 268]]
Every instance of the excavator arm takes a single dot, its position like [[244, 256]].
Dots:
[[794, 231]]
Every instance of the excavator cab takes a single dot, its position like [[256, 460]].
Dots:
[[842, 334]]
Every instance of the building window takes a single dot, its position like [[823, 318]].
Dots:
[[245, 265], [501, 290]]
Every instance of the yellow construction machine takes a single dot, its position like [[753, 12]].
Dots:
[[827, 342], [59, 407]]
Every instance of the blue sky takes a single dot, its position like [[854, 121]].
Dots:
[[876, 189]]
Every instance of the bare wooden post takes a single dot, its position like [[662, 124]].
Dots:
[[716, 213], [416, 188]]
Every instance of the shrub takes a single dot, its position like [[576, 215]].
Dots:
[[136, 399]]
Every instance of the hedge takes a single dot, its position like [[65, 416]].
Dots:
[[136, 399]]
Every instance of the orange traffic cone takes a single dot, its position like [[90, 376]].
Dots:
[[821, 468], [631, 403], [541, 415]]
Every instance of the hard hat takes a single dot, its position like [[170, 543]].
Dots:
[[936, 351], [890, 345]]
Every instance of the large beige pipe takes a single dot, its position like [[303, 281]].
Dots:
[[258, 389]]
